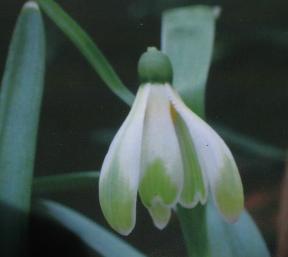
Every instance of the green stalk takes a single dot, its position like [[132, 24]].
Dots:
[[20, 99]]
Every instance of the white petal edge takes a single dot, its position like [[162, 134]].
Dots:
[[195, 187], [123, 162], [160, 213], [213, 154]]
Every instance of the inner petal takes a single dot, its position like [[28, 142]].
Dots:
[[160, 213], [161, 164], [215, 159], [194, 187]]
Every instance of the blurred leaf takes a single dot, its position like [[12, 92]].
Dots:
[[87, 47], [65, 182], [93, 235], [20, 100], [241, 239], [187, 38], [249, 144], [207, 235]]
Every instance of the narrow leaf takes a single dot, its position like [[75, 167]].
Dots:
[[249, 144], [187, 38], [20, 99], [87, 47], [93, 235], [65, 182]]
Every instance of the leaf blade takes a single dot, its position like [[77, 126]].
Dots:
[[88, 48], [21, 95], [187, 38], [20, 100], [65, 182], [93, 235], [241, 239]]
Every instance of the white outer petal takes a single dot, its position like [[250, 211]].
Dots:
[[212, 152], [123, 162]]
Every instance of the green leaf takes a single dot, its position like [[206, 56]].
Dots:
[[20, 100], [187, 38], [65, 182], [87, 47], [207, 235], [241, 239], [249, 144], [93, 235], [194, 229]]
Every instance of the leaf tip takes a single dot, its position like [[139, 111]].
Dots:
[[31, 5], [217, 11]]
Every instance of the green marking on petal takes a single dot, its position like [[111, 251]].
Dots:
[[160, 213], [117, 202], [120, 172], [157, 184], [215, 159], [228, 191], [194, 189]]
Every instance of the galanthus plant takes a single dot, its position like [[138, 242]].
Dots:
[[168, 154], [163, 152]]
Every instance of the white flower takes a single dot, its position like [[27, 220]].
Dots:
[[167, 154]]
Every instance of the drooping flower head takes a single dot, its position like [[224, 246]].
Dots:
[[167, 154]]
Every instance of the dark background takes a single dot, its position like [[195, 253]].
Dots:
[[247, 92]]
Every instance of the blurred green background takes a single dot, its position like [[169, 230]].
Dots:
[[247, 92]]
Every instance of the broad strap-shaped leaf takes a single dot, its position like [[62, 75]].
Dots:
[[207, 235], [20, 100], [187, 38], [90, 233], [87, 47], [120, 172], [241, 239]]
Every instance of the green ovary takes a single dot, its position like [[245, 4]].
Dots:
[[156, 184]]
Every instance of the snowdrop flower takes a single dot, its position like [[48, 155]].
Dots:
[[167, 154]]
